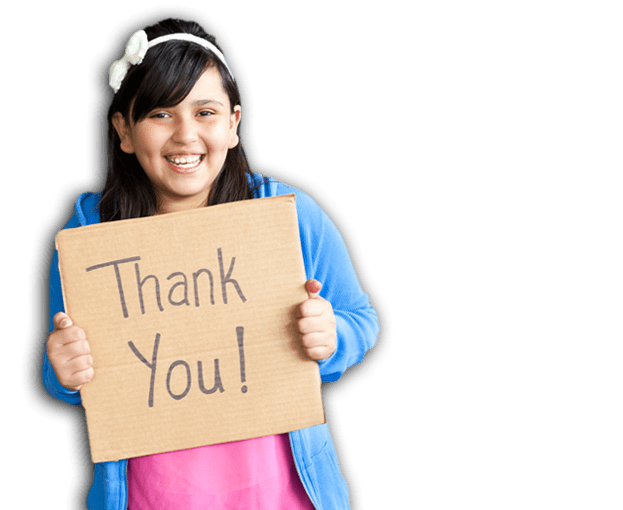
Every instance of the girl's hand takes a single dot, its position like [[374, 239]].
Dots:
[[316, 324], [69, 353]]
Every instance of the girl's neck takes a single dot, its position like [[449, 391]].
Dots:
[[182, 204]]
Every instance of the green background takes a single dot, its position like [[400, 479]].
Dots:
[[475, 148]]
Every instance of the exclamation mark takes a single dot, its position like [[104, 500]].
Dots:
[[240, 335]]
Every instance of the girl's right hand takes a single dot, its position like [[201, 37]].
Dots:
[[69, 353]]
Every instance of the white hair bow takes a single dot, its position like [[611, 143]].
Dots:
[[137, 47], [135, 51]]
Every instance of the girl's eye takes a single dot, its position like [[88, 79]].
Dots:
[[159, 115], [205, 113]]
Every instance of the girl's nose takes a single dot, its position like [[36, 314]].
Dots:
[[185, 131]]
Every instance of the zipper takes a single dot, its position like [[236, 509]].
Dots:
[[127, 495], [296, 458]]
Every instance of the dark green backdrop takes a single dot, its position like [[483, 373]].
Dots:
[[475, 148]]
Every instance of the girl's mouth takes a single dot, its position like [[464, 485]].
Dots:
[[185, 161]]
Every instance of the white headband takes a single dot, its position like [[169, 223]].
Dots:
[[137, 47]]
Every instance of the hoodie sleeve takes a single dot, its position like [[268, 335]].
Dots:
[[50, 381], [86, 212], [326, 259]]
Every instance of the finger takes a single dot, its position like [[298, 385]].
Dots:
[[313, 288], [311, 308], [318, 353], [76, 349], [70, 335], [79, 363], [310, 325], [62, 321], [315, 339], [77, 379]]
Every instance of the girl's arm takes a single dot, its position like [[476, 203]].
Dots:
[[327, 261], [50, 380]]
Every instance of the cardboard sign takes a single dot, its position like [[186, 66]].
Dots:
[[190, 319]]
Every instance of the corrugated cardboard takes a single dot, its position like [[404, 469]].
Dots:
[[190, 318]]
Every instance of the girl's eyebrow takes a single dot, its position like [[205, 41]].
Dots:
[[201, 102]]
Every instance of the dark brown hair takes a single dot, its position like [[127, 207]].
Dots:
[[165, 77]]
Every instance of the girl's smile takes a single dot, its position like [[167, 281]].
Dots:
[[185, 163], [182, 148]]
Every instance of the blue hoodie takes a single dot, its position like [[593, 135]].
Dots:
[[326, 260]]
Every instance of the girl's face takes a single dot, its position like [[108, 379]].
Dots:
[[183, 148]]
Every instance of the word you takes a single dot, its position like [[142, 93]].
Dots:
[[218, 383]]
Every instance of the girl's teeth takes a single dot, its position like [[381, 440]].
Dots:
[[185, 160]]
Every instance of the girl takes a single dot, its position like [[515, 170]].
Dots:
[[173, 142]]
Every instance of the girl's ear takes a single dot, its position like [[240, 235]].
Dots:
[[123, 131], [233, 127]]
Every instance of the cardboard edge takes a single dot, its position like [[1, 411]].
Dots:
[[289, 198], [57, 242]]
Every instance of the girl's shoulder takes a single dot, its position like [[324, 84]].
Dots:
[[270, 187], [86, 210], [315, 227]]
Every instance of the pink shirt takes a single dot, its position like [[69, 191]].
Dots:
[[256, 474]]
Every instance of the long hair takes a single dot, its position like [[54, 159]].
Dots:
[[166, 76]]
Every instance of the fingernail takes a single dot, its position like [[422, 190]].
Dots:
[[314, 287]]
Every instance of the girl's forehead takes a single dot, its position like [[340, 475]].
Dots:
[[210, 82]]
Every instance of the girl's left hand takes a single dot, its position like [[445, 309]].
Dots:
[[316, 324]]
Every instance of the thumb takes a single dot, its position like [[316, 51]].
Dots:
[[313, 288], [62, 321]]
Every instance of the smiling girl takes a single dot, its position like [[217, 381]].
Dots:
[[173, 142], [182, 147]]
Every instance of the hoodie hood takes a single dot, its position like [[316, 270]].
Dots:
[[87, 208]]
